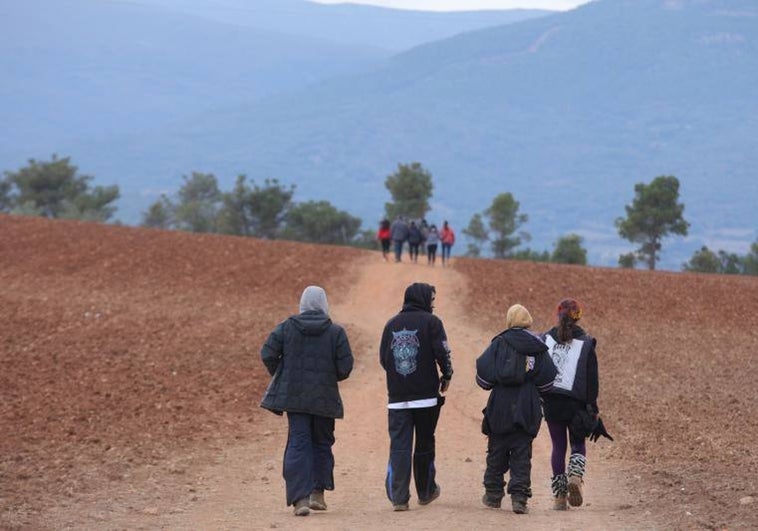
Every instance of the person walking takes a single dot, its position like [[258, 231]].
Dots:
[[516, 369], [306, 355], [413, 346], [432, 241], [414, 241], [384, 236], [571, 410], [447, 236], [399, 235]]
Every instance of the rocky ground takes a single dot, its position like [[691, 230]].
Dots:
[[129, 355]]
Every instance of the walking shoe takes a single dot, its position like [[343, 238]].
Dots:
[[560, 503], [493, 503], [400, 507], [519, 504], [317, 502], [430, 499], [575, 491], [302, 507]]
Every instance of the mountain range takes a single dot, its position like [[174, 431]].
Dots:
[[567, 111]]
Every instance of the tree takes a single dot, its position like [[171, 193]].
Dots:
[[160, 215], [235, 216], [198, 203], [569, 250], [477, 232], [504, 221], [55, 189], [627, 261], [707, 261], [268, 207], [750, 261], [653, 215], [320, 222], [411, 189], [5, 198], [530, 255]]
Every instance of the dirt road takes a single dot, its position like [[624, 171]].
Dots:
[[243, 489]]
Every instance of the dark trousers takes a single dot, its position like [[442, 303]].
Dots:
[[404, 455], [398, 249], [308, 457], [431, 253], [513, 452]]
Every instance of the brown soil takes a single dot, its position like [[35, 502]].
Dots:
[[131, 377]]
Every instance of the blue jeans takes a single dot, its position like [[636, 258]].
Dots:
[[404, 455], [398, 249], [308, 457]]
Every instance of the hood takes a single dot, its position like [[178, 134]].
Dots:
[[311, 323], [577, 332], [314, 298], [418, 297], [524, 341]]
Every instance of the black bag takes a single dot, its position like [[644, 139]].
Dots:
[[485, 424], [582, 424]]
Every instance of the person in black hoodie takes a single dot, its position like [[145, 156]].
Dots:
[[516, 369], [413, 345], [306, 356], [571, 406]]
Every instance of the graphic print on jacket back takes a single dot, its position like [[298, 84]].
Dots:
[[566, 358], [405, 345]]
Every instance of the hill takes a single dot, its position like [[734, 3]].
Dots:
[[579, 105], [74, 70], [348, 24], [130, 366]]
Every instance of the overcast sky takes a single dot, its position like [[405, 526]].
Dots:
[[456, 5]]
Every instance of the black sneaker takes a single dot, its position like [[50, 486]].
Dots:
[[519, 505], [430, 499], [493, 503]]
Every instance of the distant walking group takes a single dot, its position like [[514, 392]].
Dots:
[[418, 236], [525, 373]]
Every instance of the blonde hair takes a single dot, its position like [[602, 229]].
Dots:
[[518, 317]]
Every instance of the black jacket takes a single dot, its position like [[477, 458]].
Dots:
[[413, 344], [307, 355], [561, 408], [516, 368]]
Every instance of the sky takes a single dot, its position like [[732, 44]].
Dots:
[[468, 5]]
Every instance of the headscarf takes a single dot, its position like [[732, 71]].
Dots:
[[518, 317]]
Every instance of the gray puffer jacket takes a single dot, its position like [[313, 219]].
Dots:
[[306, 356]]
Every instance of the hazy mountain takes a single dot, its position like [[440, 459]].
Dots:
[[566, 111], [84, 68], [391, 29]]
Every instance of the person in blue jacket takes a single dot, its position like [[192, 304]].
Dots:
[[307, 355]]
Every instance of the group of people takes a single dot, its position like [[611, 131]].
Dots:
[[525, 373], [419, 236]]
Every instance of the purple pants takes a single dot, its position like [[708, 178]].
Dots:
[[560, 436]]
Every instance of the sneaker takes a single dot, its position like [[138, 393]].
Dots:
[[400, 507], [519, 505], [430, 499], [302, 507], [493, 503], [317, 502], [575, 491]]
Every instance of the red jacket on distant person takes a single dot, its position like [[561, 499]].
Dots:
[[447, 235]]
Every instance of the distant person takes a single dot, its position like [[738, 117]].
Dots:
[[384, 236], [516, 369], [570, 407], [432, 241], [424, 226], [413, 345], [414, 241], [399, 235], [447, 236], [306, 356]]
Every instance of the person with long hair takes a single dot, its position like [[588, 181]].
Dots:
[[570, 407]]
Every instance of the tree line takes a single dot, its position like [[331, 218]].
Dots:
[[55, 189]]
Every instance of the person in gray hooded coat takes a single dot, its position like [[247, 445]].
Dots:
[[307, 355]]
